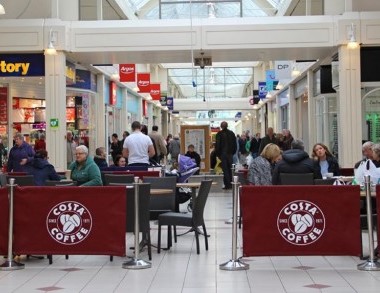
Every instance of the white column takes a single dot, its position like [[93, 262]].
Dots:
[[102, 136], [293, 113], [311, 112], [55, 95], [349, 105]]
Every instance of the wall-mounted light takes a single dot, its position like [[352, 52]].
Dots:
[[295, 72], [50, 50], [352, 43], [2, 10]]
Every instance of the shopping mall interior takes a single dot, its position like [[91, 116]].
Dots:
[[309, 66]]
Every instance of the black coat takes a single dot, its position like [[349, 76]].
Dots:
[[225, 143], [333, 165], [295, 161]]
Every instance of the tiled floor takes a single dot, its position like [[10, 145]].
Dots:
[[182, 270]]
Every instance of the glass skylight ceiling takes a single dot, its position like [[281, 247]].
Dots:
[[211, 82]]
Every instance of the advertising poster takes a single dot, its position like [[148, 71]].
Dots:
[[196, 137]]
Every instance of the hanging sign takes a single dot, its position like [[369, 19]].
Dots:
[[155, 91], [127, 72], [143, 82]]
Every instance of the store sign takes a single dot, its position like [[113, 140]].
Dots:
[[84, 79], [113, 93], [22, 65], [143, 82], [170, 103], [127, 72], [155, 91], [270, 79], [283, 70], [70, 73], [163, 101], [3, 105], [262, 89]]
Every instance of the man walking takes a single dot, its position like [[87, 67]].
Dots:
[[138, 147], [225, 149], [159, 142]]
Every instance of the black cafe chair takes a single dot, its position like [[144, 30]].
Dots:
[[193, 220], [22, 180], [327, 181], [297, 178], [118, 178]]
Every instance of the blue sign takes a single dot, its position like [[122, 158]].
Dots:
[[22, 65], [84, 79], [262, 89], [169, 103]]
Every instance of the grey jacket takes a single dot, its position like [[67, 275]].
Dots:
[[260, 172]]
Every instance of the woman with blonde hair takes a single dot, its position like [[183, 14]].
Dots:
[[260, 170]]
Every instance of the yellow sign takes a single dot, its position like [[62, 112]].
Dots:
[[14, 67]]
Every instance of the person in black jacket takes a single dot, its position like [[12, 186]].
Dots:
[[226, 147], [41, 169], [295, 160], [191, 153], [326, 162]]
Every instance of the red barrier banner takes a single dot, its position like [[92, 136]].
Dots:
[[4, 221], [301, 220], [70, 220], [127, 72]]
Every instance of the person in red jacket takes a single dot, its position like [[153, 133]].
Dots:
[[40, 143]]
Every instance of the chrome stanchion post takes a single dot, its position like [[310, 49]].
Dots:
[[233, 168], [234, 264], [163, 170], [137, 263], [10, 264], [371, 264]]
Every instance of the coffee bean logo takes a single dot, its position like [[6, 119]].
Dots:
[[69, 222], [301, 222]]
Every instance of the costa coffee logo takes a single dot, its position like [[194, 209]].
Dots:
[[127, 70], [143, 82], [301, 222], [69, 222], [154, 92]]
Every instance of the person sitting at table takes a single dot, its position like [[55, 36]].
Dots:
[[191, 153], [297, 161], [84, 170], [100, 157], [367, 155], [325, 160], [120, 161], [261, 168], [41, 169]]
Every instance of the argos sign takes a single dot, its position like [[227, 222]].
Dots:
[[22, 65]]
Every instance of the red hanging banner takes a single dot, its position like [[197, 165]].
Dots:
[[143, 82], [155, 91], [127, 72], [113, 93], [70, 220]]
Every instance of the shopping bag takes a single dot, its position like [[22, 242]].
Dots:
[[367, 168]]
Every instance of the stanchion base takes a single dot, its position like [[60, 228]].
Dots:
[[11, 265], [234, 265], [369, 266], [137, 264]]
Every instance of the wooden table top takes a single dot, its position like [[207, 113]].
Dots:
[[159, 191]]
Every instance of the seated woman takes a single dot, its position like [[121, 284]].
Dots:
[[191, 153], [83, 169], [260, 169], [120, 161], [325, 160], [100, 157], [41, 169]]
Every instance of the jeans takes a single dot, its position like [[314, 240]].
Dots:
[[227, 170]]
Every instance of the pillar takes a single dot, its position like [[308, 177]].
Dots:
[[349, 105]]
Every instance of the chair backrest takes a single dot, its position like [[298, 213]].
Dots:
[[144, 213], [297, 178], [60, 183], [118, 178], [22, 180], [242, 178], [328, 181], [200, 202], [164, 202]]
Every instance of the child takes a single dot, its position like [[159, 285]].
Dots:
[[194, 155]]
